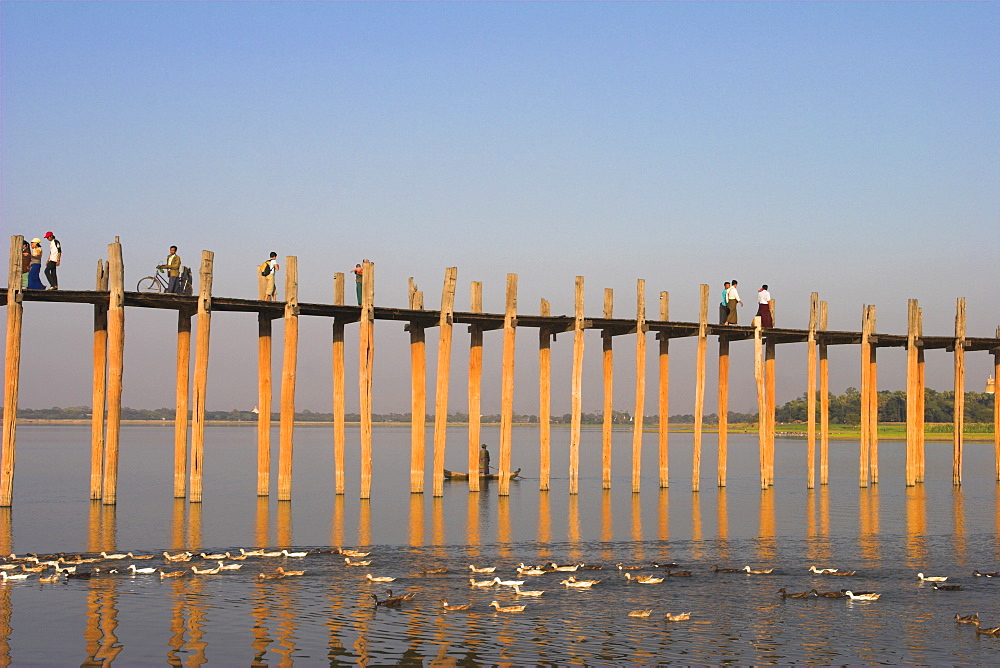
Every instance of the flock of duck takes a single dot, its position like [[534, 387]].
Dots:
[[53, 568]]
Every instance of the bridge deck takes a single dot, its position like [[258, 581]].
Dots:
[[488, 321]]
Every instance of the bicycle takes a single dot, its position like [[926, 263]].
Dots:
[[154, 283]]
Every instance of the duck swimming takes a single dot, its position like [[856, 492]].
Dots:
[[679, 617], [640, 613], [644, 579], [507, 608], [785, 594], [933, 578], [454, 608], [870, 596]]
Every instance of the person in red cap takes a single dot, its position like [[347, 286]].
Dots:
[[55, 255]]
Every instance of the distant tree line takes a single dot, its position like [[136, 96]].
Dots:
[[844, 409]]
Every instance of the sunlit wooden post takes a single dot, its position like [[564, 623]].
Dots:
[[264, 388], [339, 387], [289, 371], [699, 389], [811, 392], [996, 409], [921, 399], [664, 393], [576, 388], [507, 385], [12, 370], [770, 349], [959, 417], [200, 375], [116, 360], [865, 402], [544, 399], [723, 408], [762, 422], [181, 408], [418, 394], [445, 326], [475, 385], [640, 383], [873, 400], [366, 362], [608, 366], [824, 401], [100, 386], [912, 401]]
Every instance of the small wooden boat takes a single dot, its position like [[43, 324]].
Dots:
[[456, 475]]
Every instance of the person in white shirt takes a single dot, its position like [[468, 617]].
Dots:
[[764, 307], [733, 297], [55, 258], [265, 282]]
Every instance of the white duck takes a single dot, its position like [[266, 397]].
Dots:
[[932, 578], [380, 578], [484, 569], [294, 554], [535, 593], [644, 579], [862, 597], [140, 571]]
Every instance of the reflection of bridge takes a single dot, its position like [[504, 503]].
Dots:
[[109, 300]]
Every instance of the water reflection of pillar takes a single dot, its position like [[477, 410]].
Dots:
[[284, 520], [869, 522], [958, 510], [472, 519], [197, 620], [696, 533], [259, 611], [285, 621], [91, 631], [544, 523], [503, 525], [194, 527], [102, 622], [335, 645], [573, 527], [916, 526], [636, 511], [416, 520], [262, 524], [824, 522], [178, 540], [811, 530], [437, 520], [365, 522], [722, 533], [766, 531], [176, 640], [337, 522], [607, 517], [6, 547], [663, 514]]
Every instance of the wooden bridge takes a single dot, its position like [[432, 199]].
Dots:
[[110, 299]]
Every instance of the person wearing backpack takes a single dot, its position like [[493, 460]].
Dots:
[[265, 278], [55, 259]]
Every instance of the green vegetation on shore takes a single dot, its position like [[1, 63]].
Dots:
[[845, 416]]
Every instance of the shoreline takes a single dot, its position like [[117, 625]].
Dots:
[[887, 431]]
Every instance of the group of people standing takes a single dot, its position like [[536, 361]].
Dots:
[[31, 263], [731, 299]]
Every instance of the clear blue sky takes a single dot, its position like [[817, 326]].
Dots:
[[848, 148]]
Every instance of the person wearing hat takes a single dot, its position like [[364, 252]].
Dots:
[[55, 254], [34, 282], [484, 460]]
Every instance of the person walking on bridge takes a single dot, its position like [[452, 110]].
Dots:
[[724, 304], [55, 257], [733, 297], [764, 307]]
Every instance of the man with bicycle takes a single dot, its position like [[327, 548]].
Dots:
[[173, 267]]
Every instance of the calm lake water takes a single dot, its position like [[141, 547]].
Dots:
[[887, 533]]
